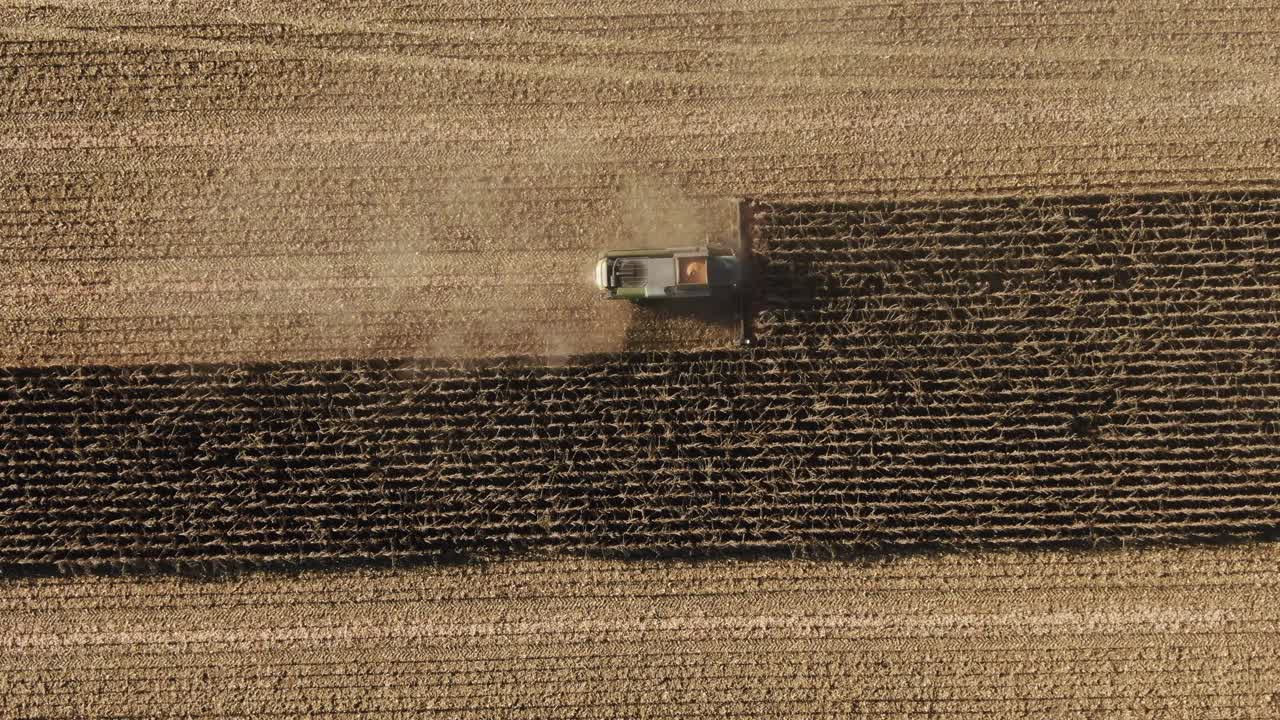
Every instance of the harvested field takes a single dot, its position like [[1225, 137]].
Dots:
[[287, 181], [296, 285], [1084, 370], [1170, 634]]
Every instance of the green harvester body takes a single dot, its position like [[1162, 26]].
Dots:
[[667, 273]]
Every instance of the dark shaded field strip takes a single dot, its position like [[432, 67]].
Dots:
[[1088, 370]]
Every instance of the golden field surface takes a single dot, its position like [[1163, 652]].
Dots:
[[1142, 634], [294, 291], [281, 181]]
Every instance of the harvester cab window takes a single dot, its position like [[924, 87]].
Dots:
[[691, 271], [672, 273]]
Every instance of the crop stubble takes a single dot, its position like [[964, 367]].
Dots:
[[1186, 633], [289, 183], [283, 182]]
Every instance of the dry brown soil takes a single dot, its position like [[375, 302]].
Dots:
[[291, 180], [1152, 634], [190, 182]]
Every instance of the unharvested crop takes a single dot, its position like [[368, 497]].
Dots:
[[1076, 370]]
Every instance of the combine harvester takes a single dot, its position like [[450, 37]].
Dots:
[[696, 273]]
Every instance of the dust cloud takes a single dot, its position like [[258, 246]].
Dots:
[[292, 260], [654, 213]]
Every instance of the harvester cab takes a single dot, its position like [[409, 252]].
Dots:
[[726, 277], [667, 273]]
